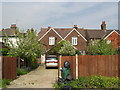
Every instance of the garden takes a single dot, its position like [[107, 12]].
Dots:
[[98, 48], [92, 82]]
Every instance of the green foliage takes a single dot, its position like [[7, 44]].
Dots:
[[101, 48], [67, 49], [27, 47], [4, 83], [21, 71], [33, 65], [118, 50], [78, 52], [93, 82], [63, 48], [4, 51]]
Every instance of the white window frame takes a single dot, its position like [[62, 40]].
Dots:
[[74, 41], [51, 40]]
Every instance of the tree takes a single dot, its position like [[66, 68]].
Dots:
[[63, 48], [27, 47], [101, 48]]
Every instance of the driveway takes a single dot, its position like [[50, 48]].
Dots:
[[39, 78]]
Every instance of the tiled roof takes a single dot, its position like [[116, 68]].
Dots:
[[42, 32], [95, 33], [8, 32], [87, 33], [82, 31], [63, 31], [118, 31]]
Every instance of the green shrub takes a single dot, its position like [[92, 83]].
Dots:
[[4, 83], [93, 82], [22, 71], [4, 51], [35, 66]]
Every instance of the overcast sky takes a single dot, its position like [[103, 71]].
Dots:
[[59, 14]]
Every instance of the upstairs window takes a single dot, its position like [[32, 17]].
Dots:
[[74, 40], [51, 40]]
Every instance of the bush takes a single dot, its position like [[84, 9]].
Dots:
[[118, 50], [22, 71], [93, 82], [4, 51], [34, 66], [101, 48], [4, 83]]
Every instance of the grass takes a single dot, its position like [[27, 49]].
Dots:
[[93, 82], [4, 83]]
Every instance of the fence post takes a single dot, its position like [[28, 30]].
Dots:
[[76, 66], [59, 72]]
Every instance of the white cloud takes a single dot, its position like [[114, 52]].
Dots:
[[36, 15]]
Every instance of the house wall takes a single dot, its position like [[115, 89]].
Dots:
[[13, 39], [81, 44], [115, 39], [45, 40]]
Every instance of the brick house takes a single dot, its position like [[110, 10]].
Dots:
[[79, 37]]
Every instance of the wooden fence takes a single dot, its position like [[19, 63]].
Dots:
[[86, 65], [9, 67]]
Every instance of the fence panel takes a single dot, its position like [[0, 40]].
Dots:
[[9, 67], [106, 65]]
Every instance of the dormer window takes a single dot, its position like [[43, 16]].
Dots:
[[51, 40], [74, 40]]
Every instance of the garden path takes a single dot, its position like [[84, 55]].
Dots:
[[39, 78]]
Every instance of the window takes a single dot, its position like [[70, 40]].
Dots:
[[51, 40], [108, 41], [74, 40]]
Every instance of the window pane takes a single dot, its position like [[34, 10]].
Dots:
[[51, 40], [74, 40]]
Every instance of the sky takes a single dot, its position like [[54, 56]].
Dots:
[[59, 14]]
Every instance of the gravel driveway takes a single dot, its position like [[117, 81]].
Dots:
[[39, 78]]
